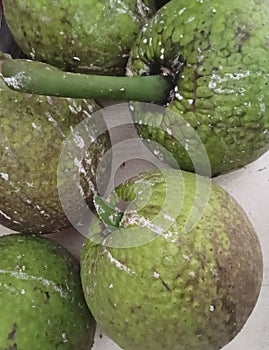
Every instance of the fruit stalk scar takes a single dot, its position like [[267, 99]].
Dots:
[[42, 79], [109, 215]]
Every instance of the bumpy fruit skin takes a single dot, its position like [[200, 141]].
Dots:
[[41, 299], [222, 85], [86, 36], [33, 130], [182, 290]]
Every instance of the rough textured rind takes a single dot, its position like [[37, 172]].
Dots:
[[85, 36], [41, 299], [183, 290], [33, 129], [222, 89]]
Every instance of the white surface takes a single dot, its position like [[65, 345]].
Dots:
[[250, 186]]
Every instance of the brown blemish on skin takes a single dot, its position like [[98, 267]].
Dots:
[[11, 335], [111, 303], [135, 309], [227, 265], [165, 284], [242, 34]]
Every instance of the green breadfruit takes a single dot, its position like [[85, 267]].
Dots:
[[41, 299], [181, 289], [217, 55], [33, 130], [79, 36]]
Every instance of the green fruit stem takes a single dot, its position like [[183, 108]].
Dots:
[[42, 79], [110, 215]]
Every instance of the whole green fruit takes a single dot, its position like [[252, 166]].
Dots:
[[217, 55], [86, 36], [41, 299], [185, 289], [33, 130]]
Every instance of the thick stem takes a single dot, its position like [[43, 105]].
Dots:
[[109, 215], [42, 79]]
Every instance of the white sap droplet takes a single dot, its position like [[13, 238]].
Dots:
[[169, 131], [211, 308], [169, 218], [64, 338], [4, 176], [5, 215], [181, 11], [178, 97], [156, 275], [186, 257], [118, 264], [190, 19]]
